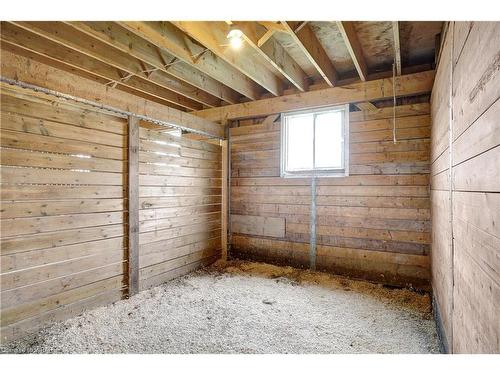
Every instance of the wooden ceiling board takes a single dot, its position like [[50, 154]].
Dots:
[[331, 39], [376, 39], [418, 40], [296, 53], [118, 51], [261, 29]]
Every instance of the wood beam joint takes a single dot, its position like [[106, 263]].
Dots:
[[407, 85], [308, 42]]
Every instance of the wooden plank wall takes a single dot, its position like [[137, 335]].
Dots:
[[179, 206], [64, 218], [442, 276], [374, 224], [63, 174], [465, 187]]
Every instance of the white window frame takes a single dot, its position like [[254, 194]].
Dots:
[[316, 172]]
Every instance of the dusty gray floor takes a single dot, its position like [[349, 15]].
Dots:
[[249, 308]]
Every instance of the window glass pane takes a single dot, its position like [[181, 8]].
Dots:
[[329, 145], [300, 142]]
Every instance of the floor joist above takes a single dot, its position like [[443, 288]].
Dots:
[[192, 65]]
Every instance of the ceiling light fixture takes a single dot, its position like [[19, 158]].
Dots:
[[235, 37]]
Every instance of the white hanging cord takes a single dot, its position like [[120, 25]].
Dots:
[[394, 103]]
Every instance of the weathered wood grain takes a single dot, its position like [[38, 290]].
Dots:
[[465, 187], [382, 206]]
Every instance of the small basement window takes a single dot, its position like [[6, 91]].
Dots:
[[315, 142]]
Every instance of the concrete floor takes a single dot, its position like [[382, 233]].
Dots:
[[249, 308]]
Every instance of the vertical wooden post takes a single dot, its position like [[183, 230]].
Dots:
[[225, 199], [312, 226], [133, 206]]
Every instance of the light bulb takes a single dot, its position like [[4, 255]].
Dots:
[[235, 42], [235, 37]]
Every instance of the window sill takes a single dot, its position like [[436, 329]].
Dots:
[[317, 175]]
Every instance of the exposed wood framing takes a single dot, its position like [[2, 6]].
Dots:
[[312, 48], [354, 47], [273, 25], [118, 37], [299, 26], [190, 66], [411, 84], [312, 226], [213, 36], [133, 205], [78, 42], [265, 37], [397, 47], [269, 120], [20, 68], [274, 53], [225, 199], [169, 38], [21, 41], [366, 106]]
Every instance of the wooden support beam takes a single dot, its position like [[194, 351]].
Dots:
[[169, 38], [274, 25], [274, 54], [225, 199], [22, 41], [118, 37], [312, 48], [269, 120], [133, 206], [397, 47], [299, 26], [73, 39], [411, 84], [264, 38], [351, 41], [366, 106], [20, 68], [213, 35]]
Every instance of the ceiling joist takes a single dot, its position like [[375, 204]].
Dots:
[[169, 38], [25, 42], [73, 39], [274, 53], [264, 38], [192, 66], [274, 25], [397, 47], [118, 37], [213, 36], [299, 26], [312, 48], [348, 32]]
